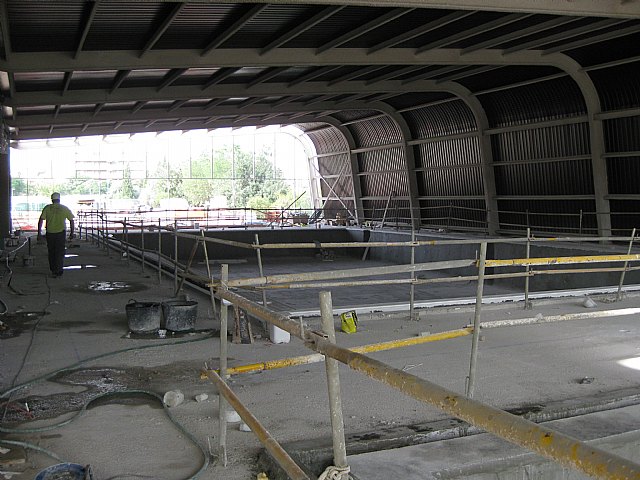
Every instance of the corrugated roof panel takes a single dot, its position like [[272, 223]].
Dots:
[[375, 132], [607, 51], [623, 175], [272, 22], [111, 30], [618, 86], [45, 26], [384, 185], [350, 115], [558, 178], [38, 81], [505, 76], [622, 135], [441, 119], [452, 28], [198, 23], [447, 153], [559, 98], [541, 143], [516, 215], [336, 25], [414, 19]]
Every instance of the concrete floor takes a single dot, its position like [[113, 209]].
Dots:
[[131, 436]]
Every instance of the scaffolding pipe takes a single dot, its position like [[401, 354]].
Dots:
[[142, 244], [626, 265], [422, 243], [222, 407], [159, 252], [270, 444], [471, 379], [175, 255], [374, 347], [333, 384], [545, 441], [412, 292], [561, 260], [360, 272], [212, 291], [260, 269], [527, 304]]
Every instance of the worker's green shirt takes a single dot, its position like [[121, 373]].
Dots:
[[55, 215]]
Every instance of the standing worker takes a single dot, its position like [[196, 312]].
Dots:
[[56, 215]]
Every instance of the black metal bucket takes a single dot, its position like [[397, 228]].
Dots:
[[180, 315], [143, 317]]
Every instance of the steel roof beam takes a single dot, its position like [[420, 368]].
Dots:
[[622, 32], [4, 24], [138, 106], [120, 77], [301, 28], [470, 32], [564, 35], [233, 28], [314, 74], [395, 73], [87, 26], [421, 30], [239, 58], [362, 29], [176, 105], [219, 76], [508, 37], [66, 83], [355, 74], [599, 8], [171, 77], [433, 73], [268, 75], [468, 73], [175, 11]]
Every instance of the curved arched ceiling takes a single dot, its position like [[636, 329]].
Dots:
[[79, 67]]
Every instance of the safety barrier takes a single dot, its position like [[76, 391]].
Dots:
[[540, 439]]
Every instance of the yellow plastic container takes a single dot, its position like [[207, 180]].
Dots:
[[349, 321]]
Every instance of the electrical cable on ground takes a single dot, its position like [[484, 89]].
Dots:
[[183, 430], [46, 376]]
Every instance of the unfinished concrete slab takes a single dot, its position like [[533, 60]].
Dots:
[[72, 331]]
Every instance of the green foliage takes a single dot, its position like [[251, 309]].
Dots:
[[256, 181], [19, 186], [168, 183], [126, 188]]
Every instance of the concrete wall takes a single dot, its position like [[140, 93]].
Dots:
[[400, 255]]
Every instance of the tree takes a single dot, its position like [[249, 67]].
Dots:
[[19, 187], [126, 189], [256, 182], [168, 183]]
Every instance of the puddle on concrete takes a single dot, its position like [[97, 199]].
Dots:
[[79, 267], [101, 380], [103, 286]]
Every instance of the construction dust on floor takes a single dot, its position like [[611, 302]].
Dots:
[[79, 388]]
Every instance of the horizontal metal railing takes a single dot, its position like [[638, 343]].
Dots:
[[540, 439]]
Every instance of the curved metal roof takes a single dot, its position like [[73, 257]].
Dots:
[[81, 67]]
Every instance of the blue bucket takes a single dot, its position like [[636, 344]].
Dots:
[[64, 471]]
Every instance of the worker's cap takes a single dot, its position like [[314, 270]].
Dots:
[[55, 196]]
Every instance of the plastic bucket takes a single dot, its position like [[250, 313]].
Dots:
[[143, 317], [64, 471], [180, 315]]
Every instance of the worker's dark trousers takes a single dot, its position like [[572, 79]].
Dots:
[[55, 245]]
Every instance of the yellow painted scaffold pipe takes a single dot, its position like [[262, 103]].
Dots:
[[561, 260], [374, 347]]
